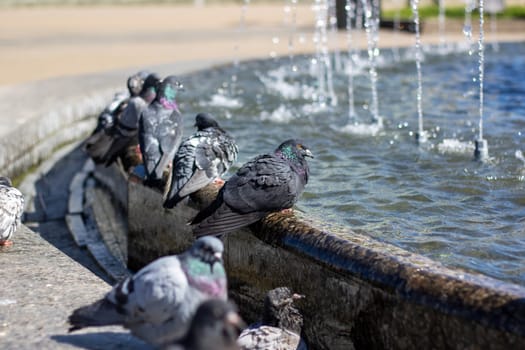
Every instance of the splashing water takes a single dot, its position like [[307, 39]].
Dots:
[[421, 135], [352, 117], [481, 52], [372, 30], [322, 63], [467, 26], [332, 22]]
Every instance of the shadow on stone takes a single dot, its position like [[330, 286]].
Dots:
[[48, 207], [102, 340]]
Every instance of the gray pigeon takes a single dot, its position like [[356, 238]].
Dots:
[[215, 326], [136, 82], [158, 302], [266, 184], [280, 327], [201, 159], [11, 209], [124, 134], [160, 131], [98, 143]]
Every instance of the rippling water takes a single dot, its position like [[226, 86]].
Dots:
[[433, 200]]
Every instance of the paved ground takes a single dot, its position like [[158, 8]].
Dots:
[[44, 42], [45, 275]]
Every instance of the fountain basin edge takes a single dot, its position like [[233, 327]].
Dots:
[[360, 293]]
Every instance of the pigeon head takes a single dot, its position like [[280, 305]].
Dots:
[[5, 181], [279, 310], [208, 249], [168, 89], [136, 81], [215, 325], [205, 120], [149, 88], [293, 150]]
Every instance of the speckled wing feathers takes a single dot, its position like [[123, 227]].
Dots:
[[11, 209], [160, 134], [201, 158], [269, 338]]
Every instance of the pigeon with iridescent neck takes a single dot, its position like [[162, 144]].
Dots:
[[266, 184], [201, 159], [11, 209], [125, 132], [280, 327], [160, 131], [159, 301]]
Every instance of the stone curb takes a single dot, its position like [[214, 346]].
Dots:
[[90, 238]]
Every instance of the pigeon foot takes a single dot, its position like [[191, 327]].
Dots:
[[6, 243]]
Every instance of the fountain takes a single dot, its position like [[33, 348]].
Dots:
[[398, 235], [415, 248], [371, 25], [421, 135], [481, 151]]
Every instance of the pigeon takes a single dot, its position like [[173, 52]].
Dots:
[[158, 302], [216, 325], [201, 159], [160, 131], [266, 184], [280, 327], [125, 131], [136, 82], [98, 143], [11, 209]]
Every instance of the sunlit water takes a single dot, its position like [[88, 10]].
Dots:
[[434, 199]]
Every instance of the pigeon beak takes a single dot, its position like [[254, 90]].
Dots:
[[218, 256], [234, 319], [296, 296], [308, 153], [180, 86]]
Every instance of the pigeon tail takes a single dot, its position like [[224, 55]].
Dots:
[[101, 313], [172, 201], [218, 219], [97, 145]]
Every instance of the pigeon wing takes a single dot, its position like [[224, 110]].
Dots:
[[11, 209], [207, 160], [261, 186], [154, 294], [268, 338], [125, 130], [150, 297], [183, 167], [265, 184], [149, 143], [170, 137]]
